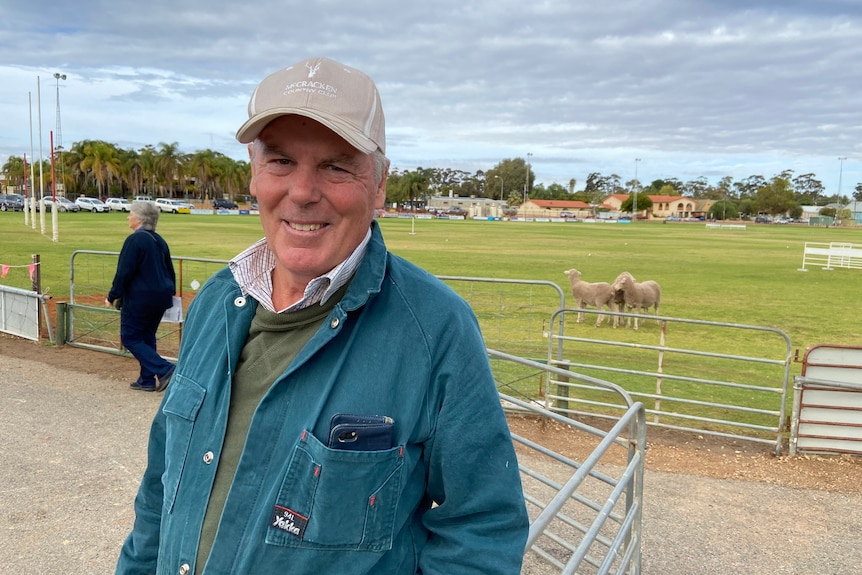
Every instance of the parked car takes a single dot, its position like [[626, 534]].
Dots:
[[220, 204], [118, 204], [174, 206], [63, 204], [91, 204], [456, 211], [565, 214], [11, 203], [143, 199]]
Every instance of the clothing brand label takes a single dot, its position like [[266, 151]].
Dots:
[[311, 87], [289, 521]]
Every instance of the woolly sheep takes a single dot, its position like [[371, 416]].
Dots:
[[619, 305], [598, 295], [638, 296]]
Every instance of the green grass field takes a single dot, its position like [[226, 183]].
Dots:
[[741, 276], [748, 277]]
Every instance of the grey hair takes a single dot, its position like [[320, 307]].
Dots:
[[381, 164], [147, 213]]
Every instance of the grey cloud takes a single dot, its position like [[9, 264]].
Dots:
[[662, 77]]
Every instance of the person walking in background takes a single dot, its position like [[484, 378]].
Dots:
[[333, 409], [143, 289]]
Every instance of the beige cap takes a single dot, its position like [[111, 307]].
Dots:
[[341, 98]]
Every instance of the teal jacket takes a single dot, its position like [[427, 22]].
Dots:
[[446, 499]]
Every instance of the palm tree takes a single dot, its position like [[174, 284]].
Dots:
[[170, 165], [132, 170], [14, 170], [102, 161], [234, 176], [148, 164], [72, 159], [204, 165]]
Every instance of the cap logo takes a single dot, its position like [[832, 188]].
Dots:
[[312, 70]]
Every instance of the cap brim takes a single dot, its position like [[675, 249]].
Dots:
[[252, 128]]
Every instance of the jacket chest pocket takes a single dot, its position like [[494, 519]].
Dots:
[[336, 499], [181, 409]]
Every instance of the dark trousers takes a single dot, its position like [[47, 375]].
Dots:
[[138, 335]]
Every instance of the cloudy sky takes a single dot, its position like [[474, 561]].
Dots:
[[692, 88]]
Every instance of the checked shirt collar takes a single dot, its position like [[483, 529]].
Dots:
[[252, 270]]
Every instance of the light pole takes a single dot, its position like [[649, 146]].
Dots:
[[635, 195], [501, 187], [59, 140], [55, 159], [840, 173], [527, 177]]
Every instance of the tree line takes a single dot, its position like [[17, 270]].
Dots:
[[98, 168], [512, 180]]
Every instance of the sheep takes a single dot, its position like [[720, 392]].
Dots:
[[598, 294], [619, 305], [639, 296]]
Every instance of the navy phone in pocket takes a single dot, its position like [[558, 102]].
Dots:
[[361, 432]]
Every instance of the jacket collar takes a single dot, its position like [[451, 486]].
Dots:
[[370, 274]]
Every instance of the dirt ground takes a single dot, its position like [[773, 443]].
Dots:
[[668, 451]]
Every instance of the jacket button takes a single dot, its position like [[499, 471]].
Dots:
[[334, 323], [184, 569], [239, 302], [208, 457]]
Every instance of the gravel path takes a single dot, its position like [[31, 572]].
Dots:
[[72, 449]]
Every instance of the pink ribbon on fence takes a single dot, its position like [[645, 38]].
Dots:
[[5, 271], [32, 271]]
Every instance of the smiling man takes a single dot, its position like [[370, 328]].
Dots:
[[333, 410]]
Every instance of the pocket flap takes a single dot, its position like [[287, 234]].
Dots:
[[185, 398]]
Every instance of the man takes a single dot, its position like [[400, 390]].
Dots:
[[333, 410]]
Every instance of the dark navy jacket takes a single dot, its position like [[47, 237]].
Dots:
[[145, 278]]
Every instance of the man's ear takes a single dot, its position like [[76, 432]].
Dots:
[[380, 197], [251, 167]]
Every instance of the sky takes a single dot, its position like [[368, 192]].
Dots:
[[642, 88]]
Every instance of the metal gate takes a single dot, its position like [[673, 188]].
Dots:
[[19, 312], [827, 401], [725, 392], [89, 323], [585, 514]]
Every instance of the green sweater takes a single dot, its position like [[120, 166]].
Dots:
[[273, 341]]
